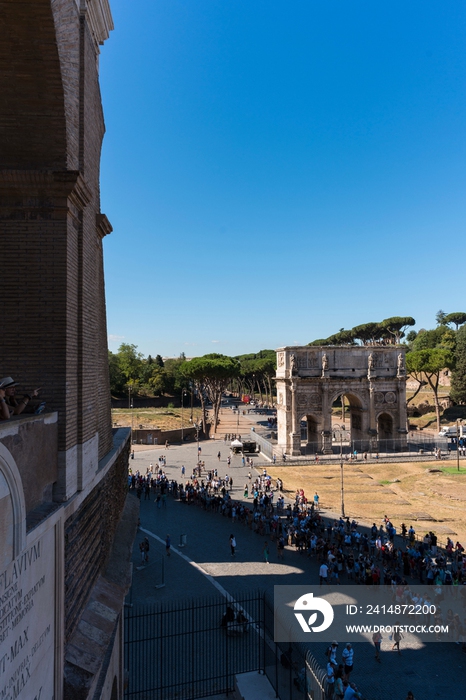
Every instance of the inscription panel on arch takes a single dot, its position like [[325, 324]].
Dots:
[[27, 623]]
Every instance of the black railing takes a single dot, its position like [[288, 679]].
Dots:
[[183, 650]]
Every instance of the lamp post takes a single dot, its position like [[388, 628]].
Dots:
[[458, 420], [341, 474], [197, 427], [183, 394], [341, 431], [132, 418]]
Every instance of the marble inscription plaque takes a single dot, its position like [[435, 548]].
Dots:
[[27, 622]]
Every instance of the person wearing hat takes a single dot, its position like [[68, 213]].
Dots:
[[4, 410], [15, 407]]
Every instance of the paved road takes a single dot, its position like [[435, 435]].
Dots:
[[204, 567]]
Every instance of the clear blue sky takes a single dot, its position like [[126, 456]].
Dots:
[[275, 171]]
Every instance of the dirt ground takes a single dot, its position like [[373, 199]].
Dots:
[[163, 418], [428, 500]]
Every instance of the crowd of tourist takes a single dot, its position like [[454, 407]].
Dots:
[[344, 551]]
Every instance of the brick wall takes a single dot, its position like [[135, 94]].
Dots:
[[88, 536], [51, 228]]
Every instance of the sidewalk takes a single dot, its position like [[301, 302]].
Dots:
[[204, 567]]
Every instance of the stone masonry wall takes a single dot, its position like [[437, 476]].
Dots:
[[51, 131], [88, 536]]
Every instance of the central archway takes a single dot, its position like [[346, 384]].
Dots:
[[311, 434], [346, 416]]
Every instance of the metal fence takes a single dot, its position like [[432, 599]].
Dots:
[[414, 444], [182, 650], [265, 444]]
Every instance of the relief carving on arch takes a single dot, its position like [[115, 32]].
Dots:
[[313, 359], [302, 361]]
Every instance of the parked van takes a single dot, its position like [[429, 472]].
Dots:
[[451, 431]]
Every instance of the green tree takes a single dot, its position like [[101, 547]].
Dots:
[[159, 361], [130, 362], [319, 342], [396, 325], [457, 317], [175, 380], [117, 378], [158, 380], [211, 375], [366, 332], [458, 382], [429, 339], [440, 317], [430, 363]]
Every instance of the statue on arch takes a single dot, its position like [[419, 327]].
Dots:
[[401, 368], [324, 362]]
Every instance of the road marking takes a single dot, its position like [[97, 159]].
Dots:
[[194, 564]]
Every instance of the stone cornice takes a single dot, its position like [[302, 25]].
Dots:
[[59, 184], [104, 227], [99, 18]]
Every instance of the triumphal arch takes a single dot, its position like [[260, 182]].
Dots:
[[369, 382]]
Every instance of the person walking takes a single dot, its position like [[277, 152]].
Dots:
[[218, 455], [323, 573], [168, 544], [265, 552], [146, 550], [246, 491], [330, 680], [232, 545], [377, 642], [347, 658], [397, 637]]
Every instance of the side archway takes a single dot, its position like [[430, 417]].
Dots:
[[385, 425]]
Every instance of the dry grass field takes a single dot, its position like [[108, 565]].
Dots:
[[163, 418], [428, 500]]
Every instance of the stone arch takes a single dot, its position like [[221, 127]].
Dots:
[[32, 108], [356, 409], [11, 491], [312, 433], [385, 426]]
